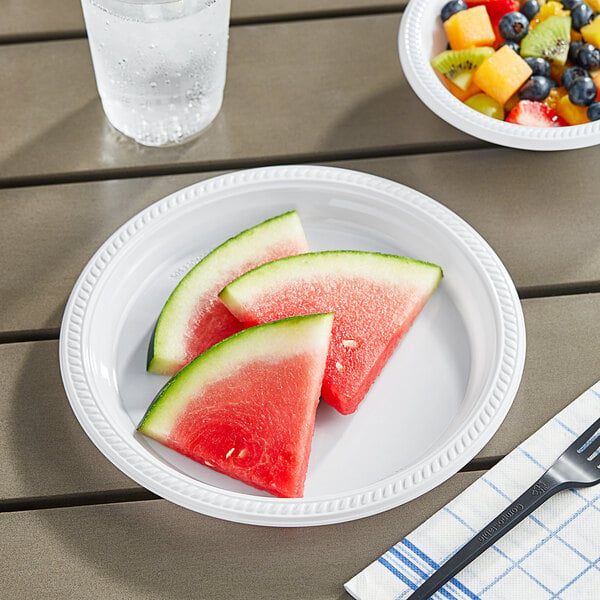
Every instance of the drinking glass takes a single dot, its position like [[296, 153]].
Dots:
[[160, 65]]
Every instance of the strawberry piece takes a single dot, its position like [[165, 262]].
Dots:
[[535, 114], [496, 8]]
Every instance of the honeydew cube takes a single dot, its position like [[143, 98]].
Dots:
[[591, 32], [502, 74], [469, 28]]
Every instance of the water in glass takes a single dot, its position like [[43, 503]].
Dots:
[[159, 65]]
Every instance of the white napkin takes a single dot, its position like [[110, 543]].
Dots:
[[554, 554]]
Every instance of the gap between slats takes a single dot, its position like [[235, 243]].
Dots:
[[243, 163], [567, 289], [71, 500], [138, 494], [72, 34]]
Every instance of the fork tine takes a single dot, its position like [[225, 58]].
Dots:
[[584, 438], [593, 452], [590, 446]]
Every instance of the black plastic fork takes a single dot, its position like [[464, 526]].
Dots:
[[578, 466]]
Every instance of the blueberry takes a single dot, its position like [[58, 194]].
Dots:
[[571, 4], [573, 49], [513, 26], [588, 57], [536, 87], [571, 74], [451, 8], [539, 66], [581, 15], [511, 44], [593, 111], [530, 9], [583, 91]]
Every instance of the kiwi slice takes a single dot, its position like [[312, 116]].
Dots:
[[459, 65], [549, 40]]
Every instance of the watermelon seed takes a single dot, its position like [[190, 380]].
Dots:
[[350, 343], [229, 453], [243, 453], [339, 366], [208, 464]]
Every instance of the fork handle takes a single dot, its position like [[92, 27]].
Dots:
[[545, 487]]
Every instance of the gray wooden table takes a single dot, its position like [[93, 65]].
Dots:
[[332, 92]]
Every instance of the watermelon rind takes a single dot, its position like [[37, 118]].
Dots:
[[317, 265], [278, 339], [167, 347]]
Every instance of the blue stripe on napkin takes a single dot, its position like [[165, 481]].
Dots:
[[554, 554]]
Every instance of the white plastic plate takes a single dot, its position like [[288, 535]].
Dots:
[[420, 38], [437, 402]]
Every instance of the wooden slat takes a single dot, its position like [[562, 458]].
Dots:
[[534, 208], [43, 448], [560, 364], [352, 100], [48, 233], [44, 452], [54, 231], [282, 9], [155, 550], [28, 19]]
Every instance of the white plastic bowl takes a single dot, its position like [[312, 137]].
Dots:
[[420, 38]]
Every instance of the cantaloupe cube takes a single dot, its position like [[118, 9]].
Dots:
[[468, 28], [571, 113], [461, 94], [576, 36], [502, 74], [591, 32]]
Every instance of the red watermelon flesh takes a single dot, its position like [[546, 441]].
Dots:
[[212, 322], [247, 406], [374, 297], [249, 448], [192, 320]]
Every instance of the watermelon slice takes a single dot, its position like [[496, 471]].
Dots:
[[374, 297], [246, 407], [192, 320]]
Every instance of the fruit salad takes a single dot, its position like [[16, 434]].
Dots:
[[529, 62]]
